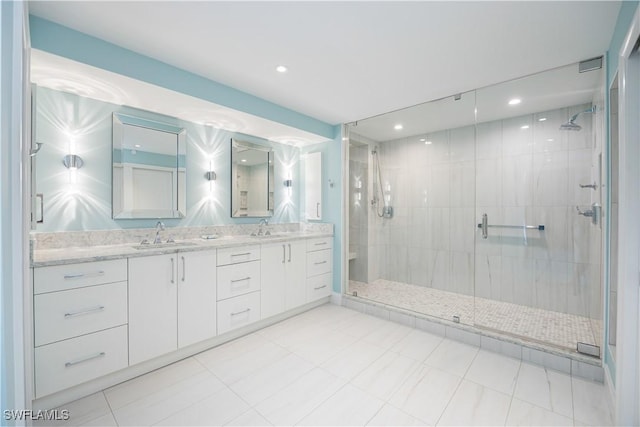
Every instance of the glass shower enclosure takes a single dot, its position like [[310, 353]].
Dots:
[[484, 209]]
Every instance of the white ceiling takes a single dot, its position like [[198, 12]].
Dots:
[[349, 60]]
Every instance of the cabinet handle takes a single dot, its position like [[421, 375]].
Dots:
[[41, 197], [319, 287], [242, 254], [318, 210], [241, 312], [320, 263], [241, 280], [86, 359], [284, 253], [87, 311], [173, 271], [79, 275], [320, 244], [289, 252], [184, 269]]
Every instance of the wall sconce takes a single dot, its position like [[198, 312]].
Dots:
[[210, 176], [288, 183], [72, 161]]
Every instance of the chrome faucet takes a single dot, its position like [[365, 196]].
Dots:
[[264, 222], [159, 228]]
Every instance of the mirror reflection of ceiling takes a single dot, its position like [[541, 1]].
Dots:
[[62, 74], [249, 157], [557, 88]]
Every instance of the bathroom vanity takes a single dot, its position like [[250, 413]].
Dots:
[[103, 314]]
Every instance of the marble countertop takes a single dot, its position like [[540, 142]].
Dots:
[[71, 255]]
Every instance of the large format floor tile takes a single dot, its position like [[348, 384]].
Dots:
[[335, 366]]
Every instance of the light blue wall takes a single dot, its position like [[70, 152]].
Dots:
[[625, 16], [63, 41], [83, 201]]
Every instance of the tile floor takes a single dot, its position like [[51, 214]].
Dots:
[[550, 327], [336, 366]]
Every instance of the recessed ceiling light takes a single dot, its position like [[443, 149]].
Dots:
[[137, 145], [398, 127], [550, 140], [243, 160], [422, 140], [515, 101], [428, 142], [524, 127], [542, 119], [281, 69]]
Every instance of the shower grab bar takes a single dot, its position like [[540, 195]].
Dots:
[[484, 225]]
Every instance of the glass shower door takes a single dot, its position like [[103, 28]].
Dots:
[[537, 251]]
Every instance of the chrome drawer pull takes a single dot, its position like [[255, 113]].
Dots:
[[319, 287], [241, 312], [86, 359], [82, 312], [241, 280], [243, 254], [79, 275], [321, 243], [321, 262]]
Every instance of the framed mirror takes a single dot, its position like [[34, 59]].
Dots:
[[252, 183], [149, 161]]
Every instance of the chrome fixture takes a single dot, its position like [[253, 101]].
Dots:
[[594, 213], [159, 228], [484, 226], [288, 183], [35, 150], [571, 125], [384, 211], [592, 186], [210, 176], [72, 161], [260, 231]]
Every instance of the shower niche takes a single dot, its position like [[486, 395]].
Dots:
[[524, 153]]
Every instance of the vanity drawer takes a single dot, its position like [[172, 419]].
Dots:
[[238, 279], [319, 286], [319, 262], [319, 244], [67, 363], [70, 276], [67, 314], [239, 254], [239, 311]]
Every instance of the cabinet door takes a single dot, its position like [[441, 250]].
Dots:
[[313, 186], [196, 297], [272, 274], [296, 290], [153, 322]]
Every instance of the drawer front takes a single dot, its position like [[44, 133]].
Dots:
[[319, 244], [65, 277], [319, 286], [239, 254], [240, 311], [67, 314], [238, 279], [67, 363], [319, 262]]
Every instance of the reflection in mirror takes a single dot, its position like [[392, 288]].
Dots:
[[148, 169], [252, 183]]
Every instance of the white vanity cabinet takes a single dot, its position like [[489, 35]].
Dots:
[[313, 186], [239, 287], [80, 323], [283, 269], [172, 302], [319, 268]]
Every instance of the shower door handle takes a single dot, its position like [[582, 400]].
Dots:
[[485, 226]]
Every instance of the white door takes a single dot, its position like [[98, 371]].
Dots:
[[272, 272], [296, 268], [196, 297], [152, 307]]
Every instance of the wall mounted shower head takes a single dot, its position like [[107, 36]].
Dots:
[[571, 125]]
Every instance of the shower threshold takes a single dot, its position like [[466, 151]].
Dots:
[[550, 331]]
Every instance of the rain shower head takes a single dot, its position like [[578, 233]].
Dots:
[[571, 124]]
